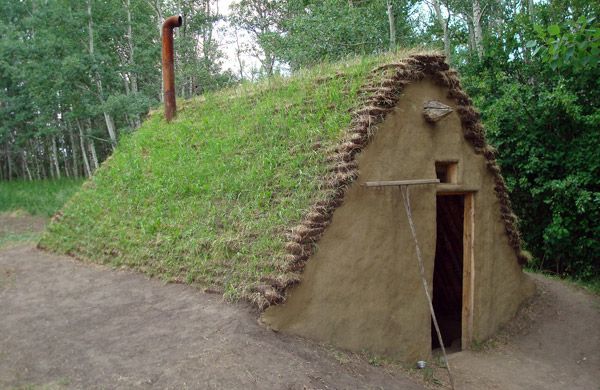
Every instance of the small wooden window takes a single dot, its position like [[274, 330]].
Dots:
[[447, 171]]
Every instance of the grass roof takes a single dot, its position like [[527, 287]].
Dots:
[[208, 198], [233, 194]]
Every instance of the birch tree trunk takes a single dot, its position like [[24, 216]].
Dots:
[[238, 54], [74, 154], [36, 164], [477, 32], [55, 157], [155, 4], [38, 146], [65, 157], [392, 23], [110, 124], [25, 165], [132, 72], [531, 10], [86, 163], [443, 22], [48, 154], [92, 147], [9, 161]]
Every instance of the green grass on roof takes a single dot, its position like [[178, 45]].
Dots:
[[207, 199]]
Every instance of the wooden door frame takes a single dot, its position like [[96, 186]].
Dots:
[[468, 265]]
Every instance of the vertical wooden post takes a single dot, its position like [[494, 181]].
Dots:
[[468, 270]]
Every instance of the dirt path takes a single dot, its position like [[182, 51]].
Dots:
[[19, 227], [553, 344], [72, 325], [20, 222]]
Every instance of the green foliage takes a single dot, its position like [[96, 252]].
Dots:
[[330, 30], [574, 46], [262, 19], [206, 199], [54, 80], [543, 116], [44, 197]]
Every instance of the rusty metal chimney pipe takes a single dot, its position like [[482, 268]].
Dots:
[[168, 67]]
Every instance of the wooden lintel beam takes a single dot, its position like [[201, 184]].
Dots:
[[401, 182]]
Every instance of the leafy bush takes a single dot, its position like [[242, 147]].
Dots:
[[543, 117]]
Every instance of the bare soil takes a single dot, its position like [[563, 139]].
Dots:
[[67, 324], [19, 222], [554, 343]]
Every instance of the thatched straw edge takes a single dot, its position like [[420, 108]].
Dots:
[[381, 94]]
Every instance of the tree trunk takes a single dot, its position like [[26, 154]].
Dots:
[[92, 148], [443, 22], [392, 23], [268, 63], [55, 157], [155, 4], [477, 32], [25, 165], [110, 124], [9, 162], [471, 36], [74, 156], [132, 74], [132, 71], [86, 163], [36, 164], [238, 54], [63, 152], [38, 145], [531, 9]]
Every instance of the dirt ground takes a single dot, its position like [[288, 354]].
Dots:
[[19, 222], [73, 325], [553, 344], [66, 324]]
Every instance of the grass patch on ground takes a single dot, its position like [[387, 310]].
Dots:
[[41, 197], [590, 285], [208, 198], [10, 239]]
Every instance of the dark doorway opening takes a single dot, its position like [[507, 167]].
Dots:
[[448, 271]]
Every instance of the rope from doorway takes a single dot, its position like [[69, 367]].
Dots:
[[406, 199]]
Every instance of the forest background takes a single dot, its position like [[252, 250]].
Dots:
[[77, 75]]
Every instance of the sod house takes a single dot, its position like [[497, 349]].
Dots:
[[301, 194]]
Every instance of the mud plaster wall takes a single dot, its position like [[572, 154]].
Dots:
[[361, 290]]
